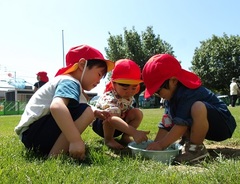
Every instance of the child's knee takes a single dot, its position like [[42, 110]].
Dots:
[[138, 111], [198, 108], [135, 113], [90, 114]]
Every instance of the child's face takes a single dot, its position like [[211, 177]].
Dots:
[[167, 92], [92, 77], [125, 90], [38, 77]]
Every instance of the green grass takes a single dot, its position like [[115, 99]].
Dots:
[[103, 165]]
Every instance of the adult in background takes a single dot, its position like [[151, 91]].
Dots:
[[234, 89]]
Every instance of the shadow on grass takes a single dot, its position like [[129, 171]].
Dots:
[[96, 153], [112, 152], [100, 154]]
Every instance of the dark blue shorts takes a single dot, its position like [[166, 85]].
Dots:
[[220, 128], [97, 127], [43, 133]]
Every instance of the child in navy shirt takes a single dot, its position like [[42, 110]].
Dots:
[[192, 112]]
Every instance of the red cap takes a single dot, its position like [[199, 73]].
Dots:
[[82, 51], [43, 76], [161, 67], [125, 71]]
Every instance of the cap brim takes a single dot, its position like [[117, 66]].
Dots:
[[147, 94], [127, 81], [71, 68], [188, 79], [110, 65], [151, 89], [67, 69]]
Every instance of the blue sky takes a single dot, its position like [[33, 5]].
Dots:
[[31, 30]]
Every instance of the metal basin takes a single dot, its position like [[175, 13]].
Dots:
[[164, 156]]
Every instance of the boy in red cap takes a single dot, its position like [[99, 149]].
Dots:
[[57, 114], [117, 99], [192, 111], [42, 79]]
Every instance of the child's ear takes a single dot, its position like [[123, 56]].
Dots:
[[81, 63], [138, 89], [174, 80]]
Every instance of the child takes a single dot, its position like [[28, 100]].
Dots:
[[117, 99], [42, 79], [191, 112], [54, 120]]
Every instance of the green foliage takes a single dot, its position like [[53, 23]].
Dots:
[[137, 47], [104, 165], [217, 61]]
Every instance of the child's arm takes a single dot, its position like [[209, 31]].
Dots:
[[65, 122], [101, 114], [121, 125], [160, 134], [165, 139]]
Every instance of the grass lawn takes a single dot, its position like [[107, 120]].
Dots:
[[103, 165]]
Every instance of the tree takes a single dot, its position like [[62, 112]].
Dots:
[[217, 61], [138, 48]]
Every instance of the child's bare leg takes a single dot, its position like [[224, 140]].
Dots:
[[195, 150], [108, 136], [62, 144], [200, 123], [134, 119]]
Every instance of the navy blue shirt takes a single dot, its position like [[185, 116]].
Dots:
[[178, 108]]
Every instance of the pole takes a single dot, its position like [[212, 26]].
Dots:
[[63, 46]]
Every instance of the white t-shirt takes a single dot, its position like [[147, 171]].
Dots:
[[39, 104], [233, 88]]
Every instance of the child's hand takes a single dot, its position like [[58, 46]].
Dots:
[[101, 114], [140, 136], [77, 150], [154, 146], [114, 111]]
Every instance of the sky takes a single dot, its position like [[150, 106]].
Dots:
[[36, 34]]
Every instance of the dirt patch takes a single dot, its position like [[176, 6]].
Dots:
[[226, 151]]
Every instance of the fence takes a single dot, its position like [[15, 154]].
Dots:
[[12, 108], [16, 108]]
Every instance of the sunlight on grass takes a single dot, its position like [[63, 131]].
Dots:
[[104, 165]]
